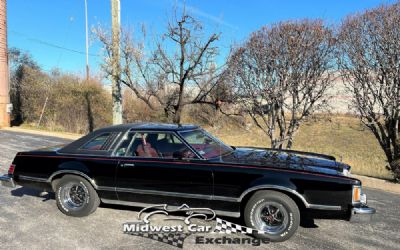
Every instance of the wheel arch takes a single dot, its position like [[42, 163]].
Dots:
[[300, 201], [60, 173]]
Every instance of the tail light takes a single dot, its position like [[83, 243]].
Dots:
[[11, 169]]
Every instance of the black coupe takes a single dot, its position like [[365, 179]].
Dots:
[[144, 164]]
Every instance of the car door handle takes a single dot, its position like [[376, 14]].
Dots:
[[126, 165]]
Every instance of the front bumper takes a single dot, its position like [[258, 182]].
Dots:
[[7, 181], [362, 213]]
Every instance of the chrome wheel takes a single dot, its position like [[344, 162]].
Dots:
[[74, 195], [271, 217]]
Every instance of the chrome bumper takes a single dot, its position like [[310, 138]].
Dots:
[[362, 214], [7, 181]]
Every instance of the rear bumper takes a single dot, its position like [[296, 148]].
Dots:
[[362, 214], [7, 181]]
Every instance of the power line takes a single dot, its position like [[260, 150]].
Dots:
[[51, 44]]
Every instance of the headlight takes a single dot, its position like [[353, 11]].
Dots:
[[363, 199]]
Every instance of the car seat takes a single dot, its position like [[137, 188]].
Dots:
[[145, 149]]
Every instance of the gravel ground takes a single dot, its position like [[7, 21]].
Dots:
[[28, 220]]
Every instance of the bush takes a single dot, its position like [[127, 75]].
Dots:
[[68, 103]]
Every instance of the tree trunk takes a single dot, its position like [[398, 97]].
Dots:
[[89, 113], [177, 115]]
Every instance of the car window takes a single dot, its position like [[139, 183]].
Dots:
[[154, 145], [205, 144], [98, 143], [124, 145]]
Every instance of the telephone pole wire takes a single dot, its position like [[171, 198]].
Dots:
[[116, 66]]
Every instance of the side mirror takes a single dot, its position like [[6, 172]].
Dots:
[[177, 155]]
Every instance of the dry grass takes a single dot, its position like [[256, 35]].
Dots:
[[343, 137]]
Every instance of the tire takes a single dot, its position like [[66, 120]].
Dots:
[[261, 213], [75, 196]]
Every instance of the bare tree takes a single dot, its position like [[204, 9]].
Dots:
[[180, 70], [369, 59], [281, 75]]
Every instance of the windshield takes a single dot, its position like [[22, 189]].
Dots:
[[205, 144]]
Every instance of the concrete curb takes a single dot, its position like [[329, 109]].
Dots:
[[70, 136]]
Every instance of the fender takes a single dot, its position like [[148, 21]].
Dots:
[[275, 187], [276, 183], [73, 167], [284, 185]]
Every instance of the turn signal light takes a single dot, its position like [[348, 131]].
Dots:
[[11, 169], [356, 194]]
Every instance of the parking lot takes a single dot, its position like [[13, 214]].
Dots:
[[28, 220]]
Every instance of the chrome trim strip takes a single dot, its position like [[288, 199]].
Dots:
[[103, 188], [73, 172], [224, 198], [164, 193], [141, 204], [325, 207], [29, 178], [274, 187], [220, 198]]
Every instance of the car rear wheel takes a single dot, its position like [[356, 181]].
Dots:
[[75, 196], [274, 213]]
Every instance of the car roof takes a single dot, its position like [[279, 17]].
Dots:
[[149, 126], [119, 130]]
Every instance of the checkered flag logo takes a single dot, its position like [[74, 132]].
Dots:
[[174, 239], [223, 226]]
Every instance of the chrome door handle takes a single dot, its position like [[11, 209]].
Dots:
[[125, 165]]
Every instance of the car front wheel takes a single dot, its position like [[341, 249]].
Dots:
[[75, 196], [274, 214]]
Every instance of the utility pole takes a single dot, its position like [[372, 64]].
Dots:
[[116, 66], [87, 42], [5, 107]]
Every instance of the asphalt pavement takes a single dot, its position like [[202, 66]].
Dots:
[[31, 221]]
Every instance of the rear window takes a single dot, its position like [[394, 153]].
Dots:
[[98, 143]]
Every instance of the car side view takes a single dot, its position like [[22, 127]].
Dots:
[[145, 164]]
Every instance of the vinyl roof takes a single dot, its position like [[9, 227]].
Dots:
[[150, 126]]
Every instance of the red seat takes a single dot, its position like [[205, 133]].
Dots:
[[145, 150]]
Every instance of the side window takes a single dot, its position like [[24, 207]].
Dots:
[[97, 143], [154, 145], [124, 145]]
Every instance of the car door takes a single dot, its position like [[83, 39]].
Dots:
[[159, 168]]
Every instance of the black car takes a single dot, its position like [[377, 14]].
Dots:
[[144, 164]]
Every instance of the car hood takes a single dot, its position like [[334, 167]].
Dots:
[[286, 159]]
